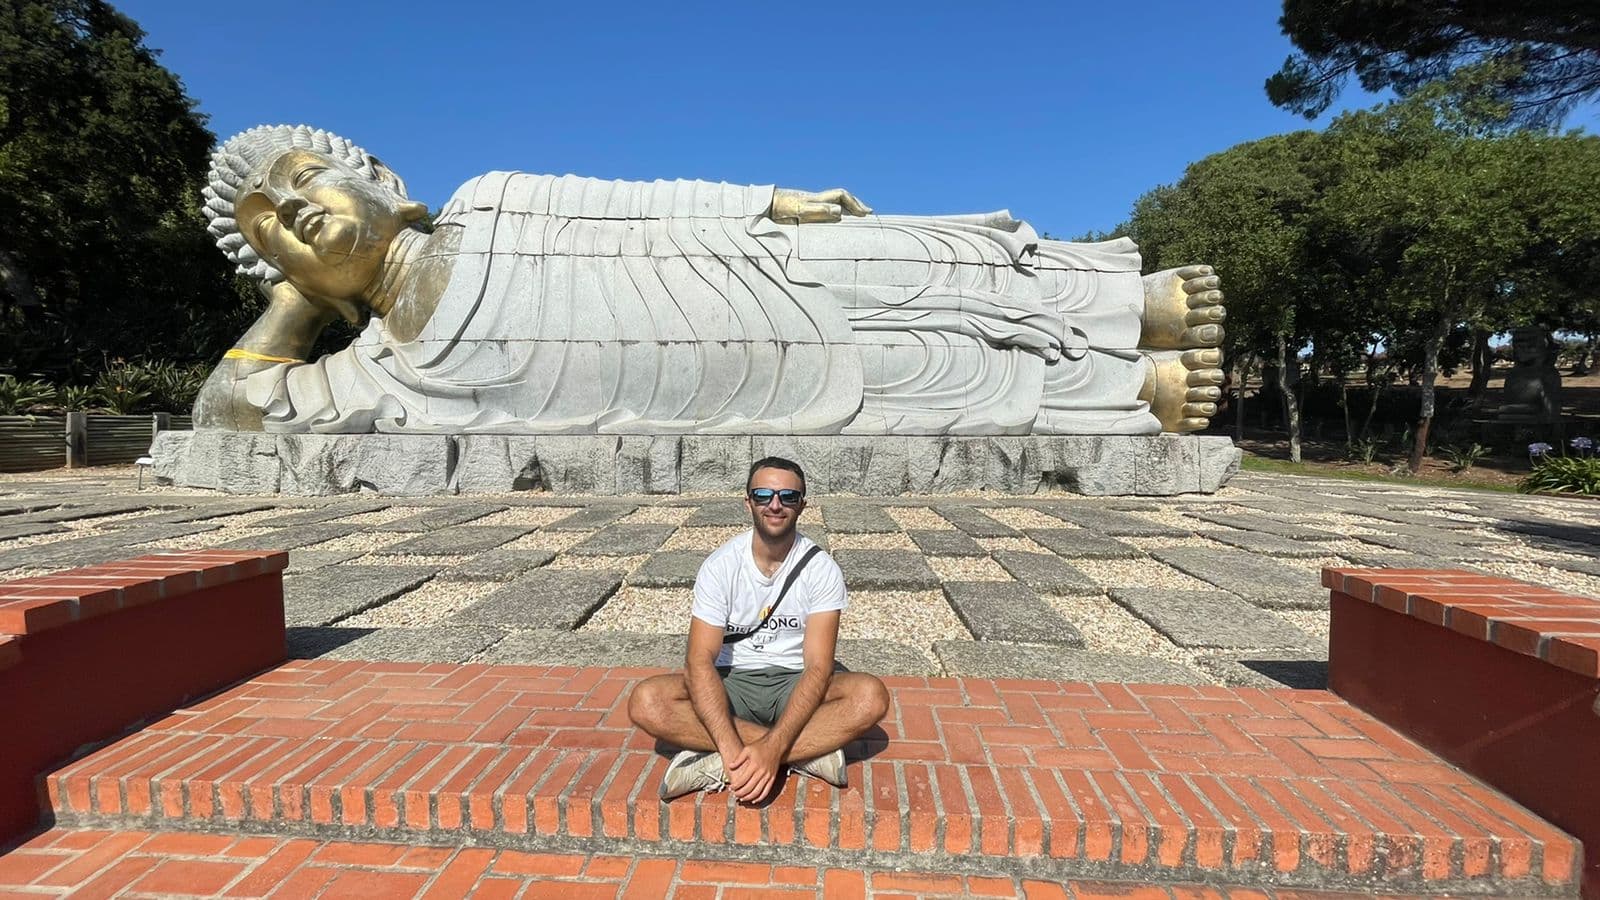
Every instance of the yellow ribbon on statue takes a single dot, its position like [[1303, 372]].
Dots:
[[236, 353]]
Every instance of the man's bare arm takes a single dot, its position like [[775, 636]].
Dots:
[[706, 693]]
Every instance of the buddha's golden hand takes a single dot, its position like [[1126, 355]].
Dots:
[[805, 207]]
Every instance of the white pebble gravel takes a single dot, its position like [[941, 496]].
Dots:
[[380, 516], [554, 541], [1146, 573], [428, 604], [909, 617], [894, 540], [918, 518], [1020, 517], [651, 610], [706, 539], [536, 516]]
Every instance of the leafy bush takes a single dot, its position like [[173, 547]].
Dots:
[[1463, 458], [1564, 475], [78, 398], [174, 387], [1363, 451], [19, 397], [123, 388]]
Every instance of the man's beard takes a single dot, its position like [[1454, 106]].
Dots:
[[764, 528]]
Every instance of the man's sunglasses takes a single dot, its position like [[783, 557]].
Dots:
[[787, 496]]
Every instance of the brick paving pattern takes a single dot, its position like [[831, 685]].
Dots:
[[971, 776], [99, 863]]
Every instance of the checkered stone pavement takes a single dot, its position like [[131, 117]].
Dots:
[[1197, 589]]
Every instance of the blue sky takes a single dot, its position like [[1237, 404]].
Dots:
[[1062, 112]]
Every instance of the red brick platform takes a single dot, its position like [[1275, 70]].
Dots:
[[1014, 780], [86, 863]]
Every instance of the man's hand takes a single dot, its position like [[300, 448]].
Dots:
[[804, 207], [752, 773]]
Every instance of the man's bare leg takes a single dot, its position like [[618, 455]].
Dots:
[[854, 703]]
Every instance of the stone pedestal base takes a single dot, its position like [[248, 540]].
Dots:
[[410, 464]]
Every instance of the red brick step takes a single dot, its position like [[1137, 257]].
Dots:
[[140, 864], [978, 778]]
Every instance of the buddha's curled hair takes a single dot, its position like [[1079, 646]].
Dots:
[[246, 153]]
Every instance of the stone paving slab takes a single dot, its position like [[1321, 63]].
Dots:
[[303, 561], [76, 512], [557, 647], [1266, 524], [589, 518], [1081, 543], [11, 532], [212, 510], [456, 541], [444, 517], [719, 514], [973, 522], [1431, 547], [499, 564], [888, 570], [323, 514], [1007, 611], [1108, 521], [543, 598], [671, 569], [946, 542], [1046, 573], [326, 595], [96, 548], [989, 659], [427, 645], [1209, 619], [624, 540], [1258, 579], [291, 538], [1265, 544], [844, 517]]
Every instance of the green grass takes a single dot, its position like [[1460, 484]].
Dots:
[[1253, 463]]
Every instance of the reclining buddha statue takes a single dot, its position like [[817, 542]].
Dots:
[[540, 304]]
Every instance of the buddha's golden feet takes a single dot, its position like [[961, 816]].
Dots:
[[1183, 388], [1182, 309]]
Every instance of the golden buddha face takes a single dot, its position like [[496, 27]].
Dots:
[[321, 223]]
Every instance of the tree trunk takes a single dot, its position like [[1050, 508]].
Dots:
[[1349, 421], [1482, 365], [1241, 374], [1430, 374], [1375, 388], [1291, 403]]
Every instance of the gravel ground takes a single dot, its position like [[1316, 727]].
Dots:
[[554, 541], [598, 563], [1020, 517], [380, 516], [706, 539], [536, 516], [1020, 544], [1110, 573], [653, 610], [919, 518], [967, 568], [891, 541], [910, 617], [1312, 621], [362, 541], [658, 515], [426, 605], [1537, 573], [409, 559], [1108, 628]]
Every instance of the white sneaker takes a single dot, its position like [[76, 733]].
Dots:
[[693, 770], [829, 767]]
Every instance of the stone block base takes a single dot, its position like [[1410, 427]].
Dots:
[[409, 465]]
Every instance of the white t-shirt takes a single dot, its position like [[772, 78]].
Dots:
[[732, 594]]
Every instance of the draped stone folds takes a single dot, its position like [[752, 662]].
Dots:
[[577, 305]]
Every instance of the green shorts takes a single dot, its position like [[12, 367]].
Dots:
[[758, 695]]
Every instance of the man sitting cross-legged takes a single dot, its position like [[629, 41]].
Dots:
[[759, 688]]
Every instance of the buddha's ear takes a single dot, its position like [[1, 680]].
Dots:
[[385, 175]]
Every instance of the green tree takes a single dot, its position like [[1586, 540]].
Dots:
[[1457, 231], [1245, 212], [1536, 59], [102, 156]]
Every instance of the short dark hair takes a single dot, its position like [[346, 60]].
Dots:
[[775, 462]]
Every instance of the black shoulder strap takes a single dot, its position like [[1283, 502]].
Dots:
[[782, 592]]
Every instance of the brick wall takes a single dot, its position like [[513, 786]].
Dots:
[[1497, 676], [86, 653]]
